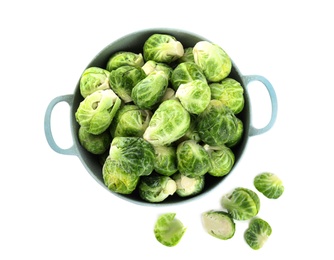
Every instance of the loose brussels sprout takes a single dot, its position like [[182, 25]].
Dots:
[[123, 79], [116, 178], [213, 60], [269, 184], [237, 135], [150, 90], [151, 66], [122, 58], [217, 124], [162, 48], [186, 72], [129, 121], [192, 133], [241, 203], [165, 160], [192, 159], [195, 96], [97, 110], [134, 154], [221, 158], [95, 144], [168, 230], [257, 233], [230, 92], [188, 186], [188, 55], [218, 224], [156, 188], [93, 79], [169, 122]]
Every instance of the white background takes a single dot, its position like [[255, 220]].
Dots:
[[51, 208]]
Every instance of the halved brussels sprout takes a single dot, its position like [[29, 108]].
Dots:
[[222, 159], [93, 79], [218, 224], [162, 48], [213, 60], [269, 184], [188, 186], [95, 144], [257, 233], [122, 58], [165, 161], [97, 111], [186, 72]]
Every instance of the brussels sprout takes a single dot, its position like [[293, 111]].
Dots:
[[213, 60], [186, 72], [116, 178], [169, 122], [191, 133], [188, 186], [165, 160], [237, 135], [188, 55], [192, 159], [95, 144], [93, 79], [168, 230], [230, 92], [195, 96], [134, 154], [97, 111], [151, 66], [218, 224], [162, 48], [169, 94], [150, 90], [241, 203], [156, 188], [217, 124], [122, 58], [123, 79], [269, 184], [129, 121], [257, 233], [221, 158]]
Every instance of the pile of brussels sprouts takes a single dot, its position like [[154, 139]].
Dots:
[[162, 120]]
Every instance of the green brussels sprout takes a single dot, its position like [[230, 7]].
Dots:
[[217, 124], [237, 135], [257, 233], [123, 79], [116, 178], [218, 224], [191, 133], [168, 230], [269, 184], [241, 203], [93, 79], [230, 92], [162, 48], [195, 96], [188, 186], [188, 55], [169, 122], [169, 94], [221, 158], [156, 188], [97, 111], [122, 58], [213, 60], [129, 121], [95, 144], [151, 66], [165, 160], [192, 159], [186, 72], [134, 154], [150, 90]]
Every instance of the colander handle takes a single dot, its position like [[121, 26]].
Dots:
[[47, 125], [257, 131]]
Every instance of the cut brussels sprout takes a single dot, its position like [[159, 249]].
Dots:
[[156, 188], [186, 72], [241, 203], [257, 233], [218, 224], [169, 122], [213, 60], [269, 184], [230, 92], [165, 161], [93, 79], [221, 158], [162, 48], [168, 230], [188, 186], [97, 111], [95, 144], [122, 58]]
